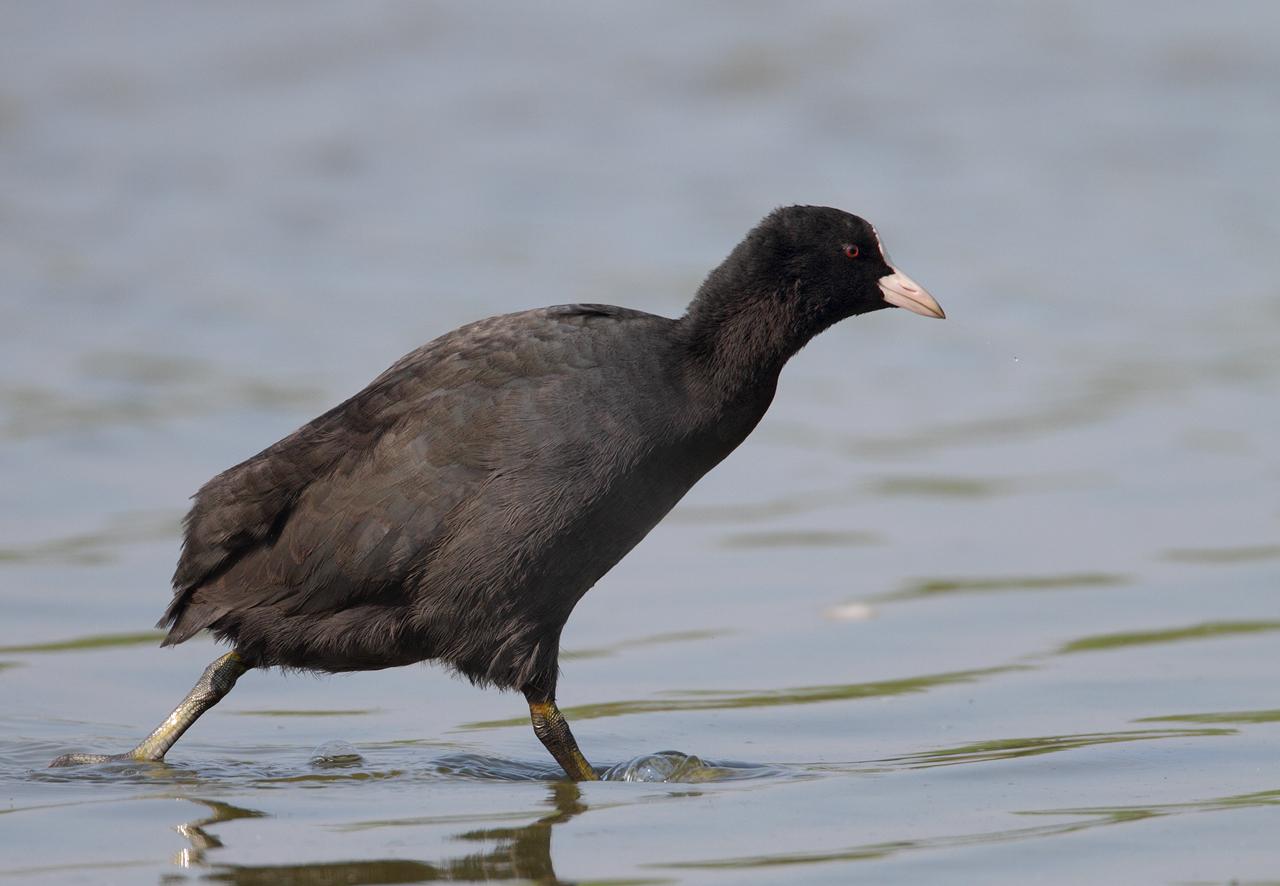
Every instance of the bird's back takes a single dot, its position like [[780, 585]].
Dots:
[[458, 506]]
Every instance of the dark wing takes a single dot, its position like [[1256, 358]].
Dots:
[[245, 509], [246, 506], [336, 513]]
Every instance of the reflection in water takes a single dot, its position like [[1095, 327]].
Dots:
[[1009, 748], [103, 544], [201, 840], [1235, 717], [1224, 555], [944, 487], [93, 641], [37, 410], [651, 640], [811, 538], [809, 501], [1094, 817], [1171, 635], [506, 853], [710, 699], [931, 587]]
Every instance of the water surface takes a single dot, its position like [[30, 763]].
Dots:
[[986, 600]]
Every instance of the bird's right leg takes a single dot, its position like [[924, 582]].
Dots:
[[552, 730], [214, 683]]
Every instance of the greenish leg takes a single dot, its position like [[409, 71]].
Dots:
[[552, 730], [214, 683]]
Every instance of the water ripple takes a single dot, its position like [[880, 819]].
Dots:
[[1011, 748], [711, 699], [1202, 631]]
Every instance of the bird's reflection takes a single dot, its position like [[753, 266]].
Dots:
[[518, 853], [509, 853], [201, 840]]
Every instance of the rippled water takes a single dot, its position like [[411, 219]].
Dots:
[[987, 600]]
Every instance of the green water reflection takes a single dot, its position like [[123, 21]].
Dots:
[[711, 699], [1202, 631], [639, 642], [809, 538], [1241, 717], [1093, 817], [1010, 748], [1224, 555], [92, 641], [943, 487], [929, 587], [101, 545]]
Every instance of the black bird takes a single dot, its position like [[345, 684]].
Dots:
[[459, 506]]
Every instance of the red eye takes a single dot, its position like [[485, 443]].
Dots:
[[851, 251]]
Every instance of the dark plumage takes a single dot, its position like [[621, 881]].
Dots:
[[458, 507]]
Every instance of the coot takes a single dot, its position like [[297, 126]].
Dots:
[[458, 507]]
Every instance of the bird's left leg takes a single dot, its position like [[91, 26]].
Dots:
[[214, 683]]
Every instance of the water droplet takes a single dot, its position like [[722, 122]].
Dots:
[[664, 766], [335, 754]]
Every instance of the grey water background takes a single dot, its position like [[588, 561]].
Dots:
[[985, 600]]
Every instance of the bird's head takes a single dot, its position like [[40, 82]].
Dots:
[[800, 270], [831, 263]]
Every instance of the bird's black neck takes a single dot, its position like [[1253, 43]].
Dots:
[[739, 332], [731, 353]]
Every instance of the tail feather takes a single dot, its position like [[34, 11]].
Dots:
[[184, 621]]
